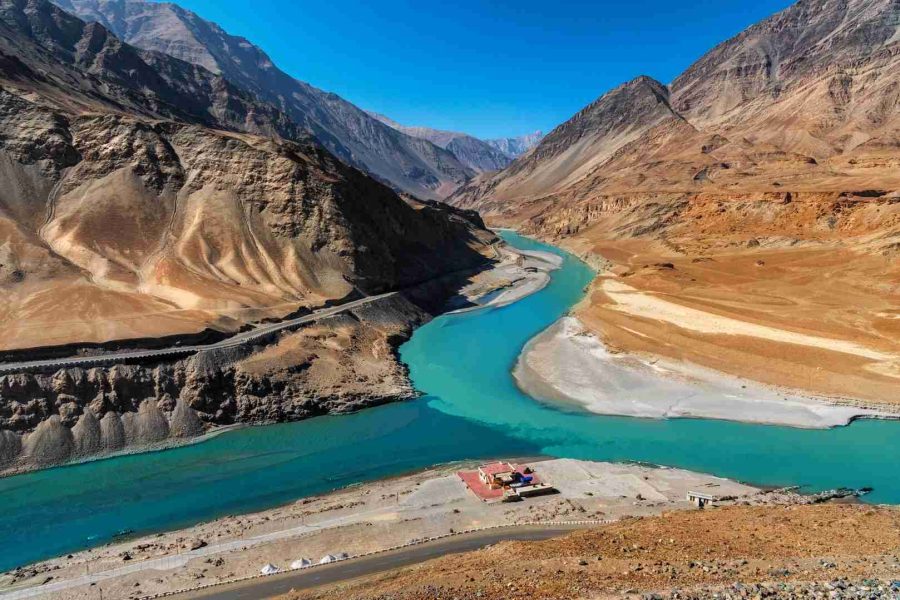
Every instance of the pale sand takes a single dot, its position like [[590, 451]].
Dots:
[[564, 363], [361, 519], [642, 304], [518, 274]]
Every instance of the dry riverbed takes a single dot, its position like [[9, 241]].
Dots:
[[356, 520]]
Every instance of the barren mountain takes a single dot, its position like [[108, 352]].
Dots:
[[478, 155], [144, 196], [761, 185], [408, 163], [111, 197], [515, 147]]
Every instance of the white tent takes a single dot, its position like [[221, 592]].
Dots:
[[328, 558], [301, 564], [342, 556], [269, 569]]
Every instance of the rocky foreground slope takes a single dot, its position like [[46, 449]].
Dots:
[[762, 186], [144, 196], [815, 551]]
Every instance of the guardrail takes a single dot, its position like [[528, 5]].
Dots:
[[93, 361], [376, 552]]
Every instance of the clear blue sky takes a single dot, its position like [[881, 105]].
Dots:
[[490, 68]]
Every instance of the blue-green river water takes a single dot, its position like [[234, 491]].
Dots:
[[472, 410]]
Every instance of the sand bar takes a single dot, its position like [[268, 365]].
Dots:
[[518, 274], [567, 364]]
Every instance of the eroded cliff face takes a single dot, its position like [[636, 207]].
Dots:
[[339, 364]]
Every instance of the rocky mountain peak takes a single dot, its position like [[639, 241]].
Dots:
[[615, 115], [408, 163], [515, 147], [806, 39]]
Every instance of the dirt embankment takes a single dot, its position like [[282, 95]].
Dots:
[[786, 552]]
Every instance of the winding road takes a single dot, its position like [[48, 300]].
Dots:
[[282, 583], [236, 340]]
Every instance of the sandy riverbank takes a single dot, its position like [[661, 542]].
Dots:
[[356, 520], [568, 364], [517, 274]]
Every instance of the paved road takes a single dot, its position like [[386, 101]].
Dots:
[[349, 569], [236, 340]]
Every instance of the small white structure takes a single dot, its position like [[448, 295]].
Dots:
[[535, 489], [328, 558], [342, 556], [301, 564], [269, 569], [700, 499]]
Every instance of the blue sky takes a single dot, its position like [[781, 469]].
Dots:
[[489, 68]]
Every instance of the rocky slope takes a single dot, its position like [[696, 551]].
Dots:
[[761, 185], [144, 196], [407, 163], [339, 364], [812, 551], [478, 155], [803, 101]]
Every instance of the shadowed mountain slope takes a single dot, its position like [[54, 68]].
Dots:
[[407, 163]]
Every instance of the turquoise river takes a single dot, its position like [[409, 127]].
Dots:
[[472, 409]]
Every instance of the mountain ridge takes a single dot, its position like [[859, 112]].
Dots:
[[220, 202], [514, 147], [761, 99], [475, 153], [407, 163], [762, 184]]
